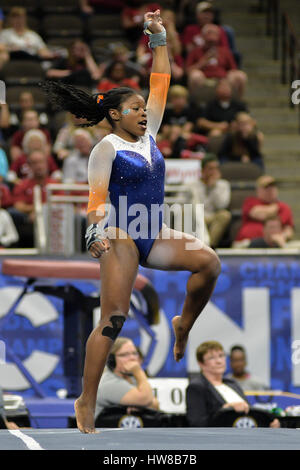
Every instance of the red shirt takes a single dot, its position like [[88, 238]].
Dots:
[[6, 199], [106, 84], [192, 35], [22, 169], [253, 228], [23, 191], [217, 67]]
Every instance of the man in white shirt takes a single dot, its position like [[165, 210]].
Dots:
[[215, 193]]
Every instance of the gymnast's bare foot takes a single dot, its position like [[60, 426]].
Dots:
[[84, 417], [181, 337]]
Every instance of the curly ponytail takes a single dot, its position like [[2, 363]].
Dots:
[[83, 105]]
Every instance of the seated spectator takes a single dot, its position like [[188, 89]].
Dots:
[[212, 61], [23, 211], [64, 140], [215, 193], [76, 164], [78, 68], [243, 143], [238, 364], [219, 113], [8, 231], [115, 76], [120, 53], [33, 140], [124, 382], [211, 392], [26, 103], [177, 130], [144, 56], [192, 36], [264, 205], [21, 41], [132, 18], [272, 235], [30, 120]]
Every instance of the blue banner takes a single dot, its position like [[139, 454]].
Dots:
[[256, 303]]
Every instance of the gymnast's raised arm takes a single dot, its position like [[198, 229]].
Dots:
[[160, 72]]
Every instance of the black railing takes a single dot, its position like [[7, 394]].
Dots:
[[286, 46]]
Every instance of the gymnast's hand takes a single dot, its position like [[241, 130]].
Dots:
[[99, 247], [96, 244], [154, 22]]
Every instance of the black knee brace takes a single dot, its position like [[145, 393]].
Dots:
[[117, 322]]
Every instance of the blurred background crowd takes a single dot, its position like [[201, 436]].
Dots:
[[99, 44]]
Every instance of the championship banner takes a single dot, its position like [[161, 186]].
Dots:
[[256, 303]]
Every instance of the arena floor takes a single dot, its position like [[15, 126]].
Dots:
[[178, 439]]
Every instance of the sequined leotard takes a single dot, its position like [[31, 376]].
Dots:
[[130, 175]]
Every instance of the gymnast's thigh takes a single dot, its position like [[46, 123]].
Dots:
[[174, 250], [118, 270]]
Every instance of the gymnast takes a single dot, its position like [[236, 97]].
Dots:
[[128, 163]]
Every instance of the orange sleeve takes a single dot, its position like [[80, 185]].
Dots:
[[159, 86]]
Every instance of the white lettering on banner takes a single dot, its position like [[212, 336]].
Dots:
[[295, 336], [214, 324]]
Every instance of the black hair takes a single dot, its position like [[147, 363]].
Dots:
[[84, 105], [237, 347]]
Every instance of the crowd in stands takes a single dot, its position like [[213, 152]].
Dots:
[[206, 110]]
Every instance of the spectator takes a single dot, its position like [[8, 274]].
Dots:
[[79, 68], [115, 76], [34, 139], [272, 235], [144, 56], [211, 392], [121, 53], [21, 41], [264, 205], [124, 382], [192, 35], [9, 424], [221, 111], [243, 143], [30, 120], [23, 211], [75, 166], [132, 18], [215, 193], [238, 363], [64, 140], [8, 231], [212, 61], [177, 129], [26, 103]]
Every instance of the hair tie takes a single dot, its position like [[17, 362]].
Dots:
[[100, 99]]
